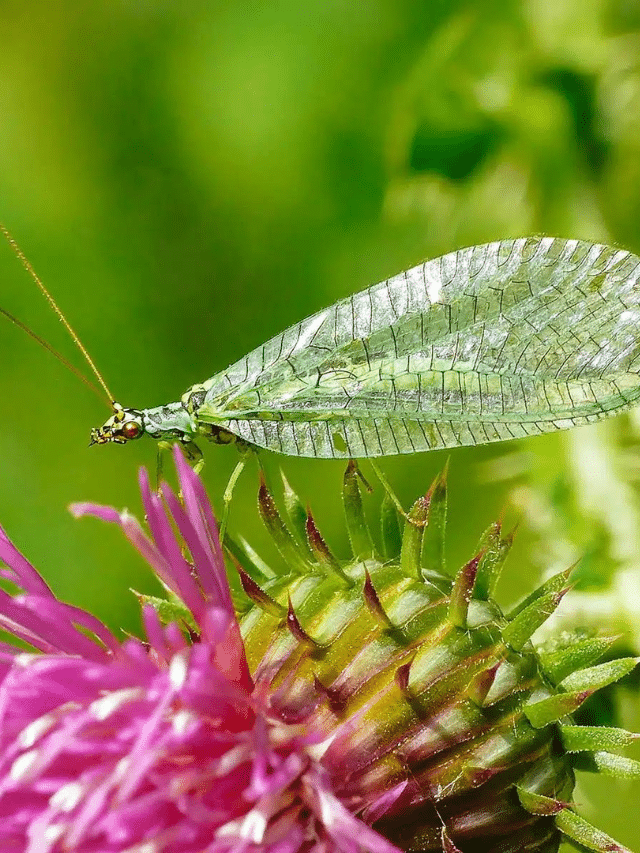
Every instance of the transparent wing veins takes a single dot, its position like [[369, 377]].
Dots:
[[499, 341]]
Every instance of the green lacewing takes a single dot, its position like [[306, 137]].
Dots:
[[504, 340]]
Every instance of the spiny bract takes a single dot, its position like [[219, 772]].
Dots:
[[445, 728]]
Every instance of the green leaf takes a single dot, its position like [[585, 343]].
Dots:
[[258, 596], [580, 738], [282, 537], [390, 528], [539, 804], [596, 677], [580, 830], [433, 555], [608, 764], [357, 528], [295, 511], [462, 592], [321, 551], [374, 604], [554, 584], [549, 710], [519, 630], [244, 554], [495, 550], [412, 536], [582, 653], [169, 611]]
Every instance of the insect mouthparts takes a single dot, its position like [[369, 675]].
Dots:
[[123, 425]]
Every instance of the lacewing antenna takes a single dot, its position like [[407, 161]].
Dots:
[[54, 305], [53, 351]]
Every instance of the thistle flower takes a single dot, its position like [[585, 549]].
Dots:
[[157, 746], [368, 705]]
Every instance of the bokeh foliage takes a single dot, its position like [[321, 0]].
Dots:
[[191, 179]]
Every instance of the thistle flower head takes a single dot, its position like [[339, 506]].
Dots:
[[163, 745], [371, 705]]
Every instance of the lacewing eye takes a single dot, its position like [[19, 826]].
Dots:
[[131, 430]]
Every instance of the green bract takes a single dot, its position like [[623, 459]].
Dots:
[[438, 712]]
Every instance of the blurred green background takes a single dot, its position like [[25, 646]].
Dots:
[[190, 179]]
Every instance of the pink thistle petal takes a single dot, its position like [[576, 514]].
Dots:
[[155, 633], [214, 585], [166, 745], [171, 568], [223, 632], [18, 620], [20, 571], [104, 513], [183, 582], [347, 832], [381, 805], [175, 639], [199, 510], [77, 616], [48, 625]]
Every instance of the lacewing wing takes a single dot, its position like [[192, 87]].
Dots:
[[504, 340]]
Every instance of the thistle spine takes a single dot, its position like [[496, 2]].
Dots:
[[433, 648]]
